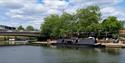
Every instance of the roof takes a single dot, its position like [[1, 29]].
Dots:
[[6, 26], [81, 41]]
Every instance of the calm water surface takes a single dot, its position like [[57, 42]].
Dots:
[[37, 54]]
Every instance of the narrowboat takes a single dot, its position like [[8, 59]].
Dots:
[[77, 42]]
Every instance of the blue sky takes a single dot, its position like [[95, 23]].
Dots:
[[32, 12]]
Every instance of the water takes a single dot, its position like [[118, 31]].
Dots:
[[37, 54]]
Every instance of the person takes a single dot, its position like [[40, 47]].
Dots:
[[77, 39], [62, 41]]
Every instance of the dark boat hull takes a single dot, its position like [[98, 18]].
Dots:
[[77, 45], [86, 42]]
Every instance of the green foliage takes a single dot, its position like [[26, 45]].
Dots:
[[112, 24], [50, 25], [84, 20], [86, 17], [30, 28], [94, 27], [20, 28]]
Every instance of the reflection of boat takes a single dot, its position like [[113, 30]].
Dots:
[[78, 42]]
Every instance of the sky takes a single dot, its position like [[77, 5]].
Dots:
[[33, 12]]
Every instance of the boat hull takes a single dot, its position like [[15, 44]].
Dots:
[[77, 45], [86, 42]]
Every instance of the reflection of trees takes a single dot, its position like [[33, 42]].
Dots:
[[83, 61], [81, 55], [111, 51], [109, 55], [73, 55], [88, 51]]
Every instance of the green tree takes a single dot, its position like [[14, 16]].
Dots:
[[20, 28], [88, 16], [30, 28], [94, 27], [49, 26], [66, 23], [57, 26], [84, 20], [112, 24]]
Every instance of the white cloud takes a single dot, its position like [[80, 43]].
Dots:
[[29, 12], [12, 4], [113, 2], [33, 9], [55, 4], [113, 11]]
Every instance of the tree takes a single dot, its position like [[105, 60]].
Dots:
[[81, 21], [50, 24], [112, 25], [94, 27], [30, 28], [66, 24], [20, 28], [87, 16], [84, 20]]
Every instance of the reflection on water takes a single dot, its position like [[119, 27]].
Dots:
[[111, 51], [37, 54], [70, 55]]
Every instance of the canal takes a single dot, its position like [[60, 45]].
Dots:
[[37, 54]]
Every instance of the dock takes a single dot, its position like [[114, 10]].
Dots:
[[113, 45]]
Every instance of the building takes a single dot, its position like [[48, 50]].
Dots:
[[122, 31], [4, 28]]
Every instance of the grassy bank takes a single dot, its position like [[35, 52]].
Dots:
[[6, 43]]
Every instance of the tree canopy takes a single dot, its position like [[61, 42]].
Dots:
[[112, 24], [84, 20], [20, 28], [30, 28]]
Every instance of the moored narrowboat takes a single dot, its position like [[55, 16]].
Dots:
[[77, 42]]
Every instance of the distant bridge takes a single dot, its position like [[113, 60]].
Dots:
[[30, 34]]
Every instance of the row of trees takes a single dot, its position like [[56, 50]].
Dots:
[[28, 28], [84, 20]]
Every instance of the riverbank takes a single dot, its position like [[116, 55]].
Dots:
[[105, 43], [111, 43], [13, 43], [54, 43]]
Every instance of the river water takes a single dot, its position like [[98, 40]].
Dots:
[[37, 54]]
